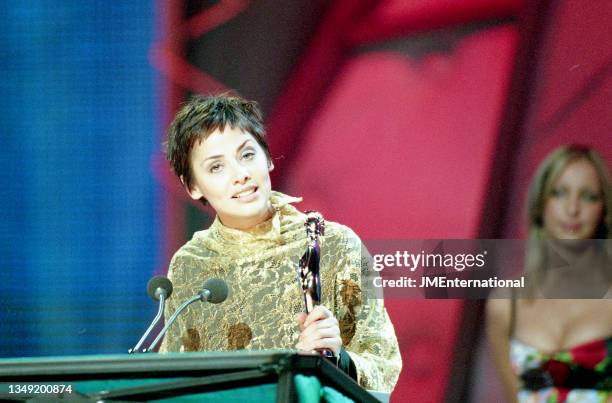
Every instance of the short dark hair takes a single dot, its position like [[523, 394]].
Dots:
[[201, 116]]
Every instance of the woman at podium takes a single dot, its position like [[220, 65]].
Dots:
[[217, 147]]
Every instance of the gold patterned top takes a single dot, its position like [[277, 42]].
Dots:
[[259, 266]]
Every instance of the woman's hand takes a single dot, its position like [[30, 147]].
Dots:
[[319, 330]]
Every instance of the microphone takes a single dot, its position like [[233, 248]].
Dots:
[[214, 291], [159, 288]]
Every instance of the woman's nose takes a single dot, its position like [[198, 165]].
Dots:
[[241, 174], [573, 205]]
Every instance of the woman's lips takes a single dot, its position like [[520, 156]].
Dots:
[[571, 227], [246, 194]]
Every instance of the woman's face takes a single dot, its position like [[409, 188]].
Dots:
[[574, 208], [231, 171]]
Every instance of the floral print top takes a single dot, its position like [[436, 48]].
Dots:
[[579, 374]]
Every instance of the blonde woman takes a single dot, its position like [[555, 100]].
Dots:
[[560, 350]]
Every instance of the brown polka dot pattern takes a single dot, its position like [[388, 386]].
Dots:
[[239, 336]]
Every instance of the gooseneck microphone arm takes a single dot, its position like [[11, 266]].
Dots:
[[160, 313], [160, 289], [161, 334], [214, 291]]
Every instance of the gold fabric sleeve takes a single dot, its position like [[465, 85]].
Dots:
[[367, 332]]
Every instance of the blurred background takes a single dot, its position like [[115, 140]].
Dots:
[[401, 119]]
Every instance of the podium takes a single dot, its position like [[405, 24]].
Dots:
[[266, 376]]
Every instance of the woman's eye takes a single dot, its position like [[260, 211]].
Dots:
[[215, 168], [590, 196], [557, 192], [248, 155]]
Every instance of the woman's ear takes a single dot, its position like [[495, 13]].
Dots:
[[270, 166], [194, 192]]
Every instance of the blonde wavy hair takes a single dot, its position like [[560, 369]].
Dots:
[[549, 170], [540, 190]]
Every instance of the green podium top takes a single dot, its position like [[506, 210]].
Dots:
[[212, 376], [149, 364]]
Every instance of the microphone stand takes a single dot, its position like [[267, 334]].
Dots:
[[198, 297], [160, 312]]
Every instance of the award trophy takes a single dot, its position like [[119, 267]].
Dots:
[[308, 269]]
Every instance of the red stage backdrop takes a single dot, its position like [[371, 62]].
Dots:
[[402, 120]]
